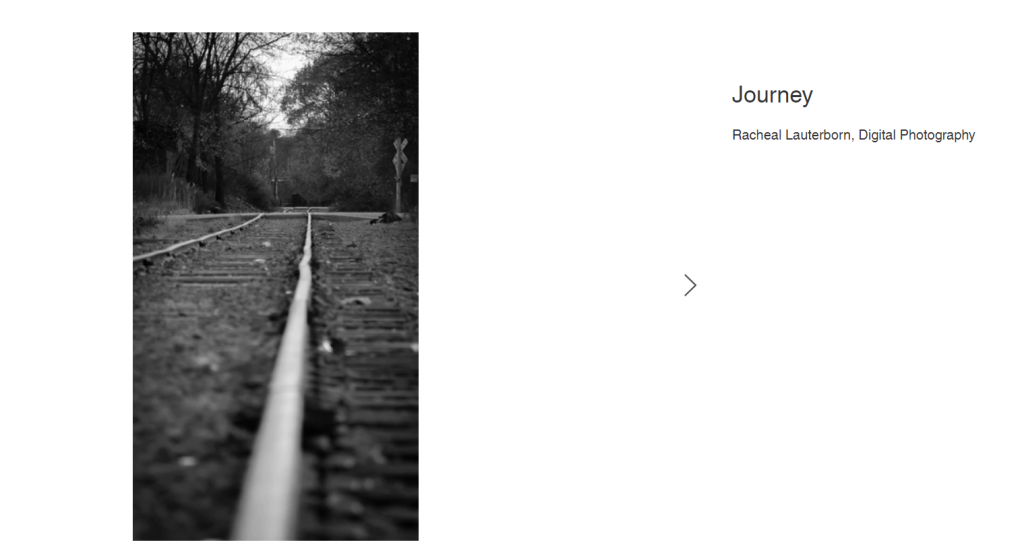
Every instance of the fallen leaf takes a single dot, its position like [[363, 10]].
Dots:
[[211, 361]]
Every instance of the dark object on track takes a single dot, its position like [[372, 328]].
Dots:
[[389, 217]]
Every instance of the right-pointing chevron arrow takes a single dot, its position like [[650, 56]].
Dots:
[[691, 281]]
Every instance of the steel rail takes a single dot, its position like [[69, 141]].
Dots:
[[185, 245], [268, 509]]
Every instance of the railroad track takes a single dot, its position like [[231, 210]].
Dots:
[[304, 209], [365, 435], [283, 312], [149, 250]]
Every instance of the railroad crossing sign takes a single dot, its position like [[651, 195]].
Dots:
[[400, 161], [400, 158]]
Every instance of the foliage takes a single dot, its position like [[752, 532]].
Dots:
[[368, 81], [171, 192], [358, 93], [199, 93], [361, 197], [206, 204], [252, 190], [199, 101], [144, 216], [156, 195]]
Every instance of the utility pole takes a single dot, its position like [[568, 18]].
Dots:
[[273, 169]]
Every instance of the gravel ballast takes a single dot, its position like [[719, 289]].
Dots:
[[203, 354], [170, 231]]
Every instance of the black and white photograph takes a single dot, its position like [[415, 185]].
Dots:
[[275, 286]]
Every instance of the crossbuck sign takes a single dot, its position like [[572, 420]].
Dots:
[[400, 161]]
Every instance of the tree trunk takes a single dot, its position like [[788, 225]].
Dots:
[[218, 163], [193, 152]]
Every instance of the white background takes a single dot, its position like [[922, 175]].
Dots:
[[845, 381]]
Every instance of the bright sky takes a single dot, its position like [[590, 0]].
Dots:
[[286, 66]]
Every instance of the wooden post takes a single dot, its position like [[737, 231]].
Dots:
[[399, 160]]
